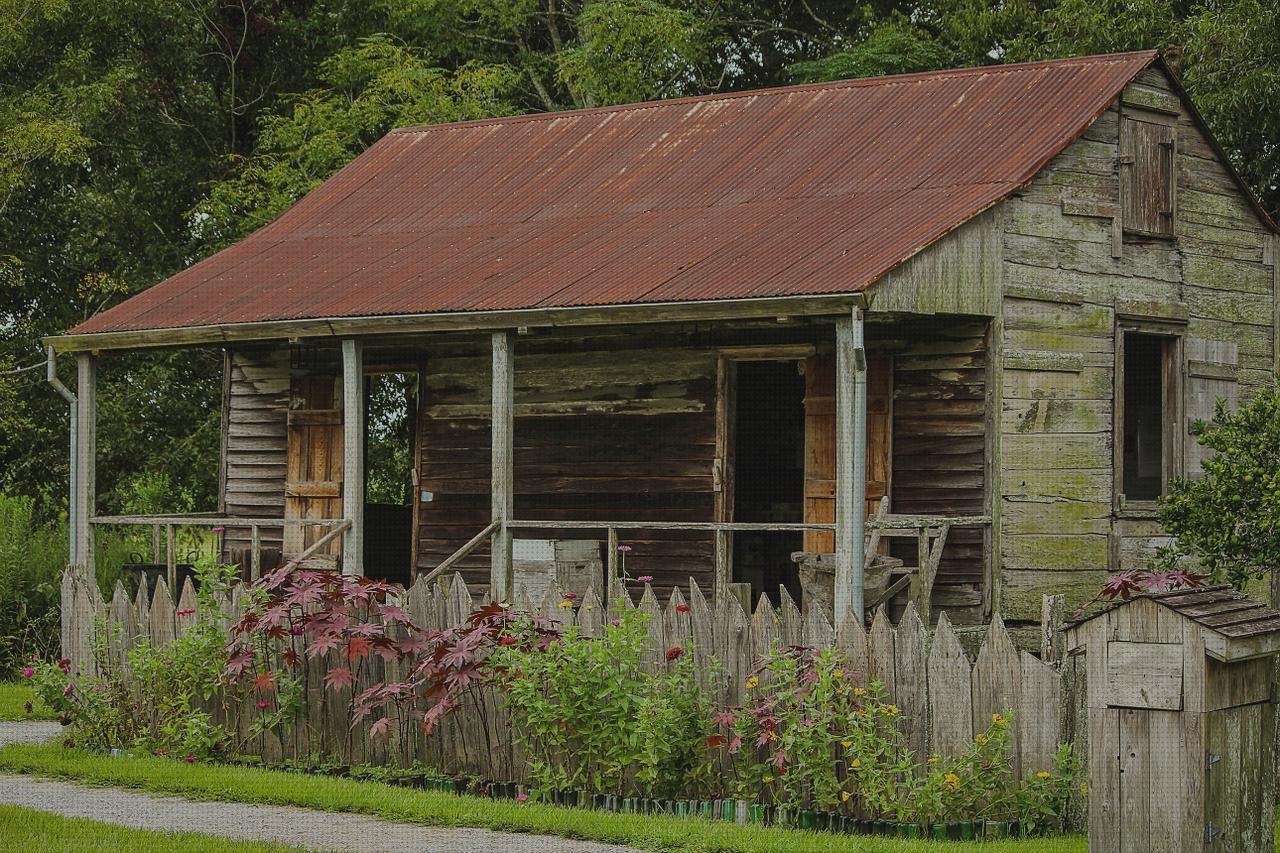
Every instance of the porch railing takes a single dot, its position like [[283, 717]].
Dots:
[[168, 524], [929, 531]]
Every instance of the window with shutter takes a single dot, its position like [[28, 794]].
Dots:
[[1148, 176]]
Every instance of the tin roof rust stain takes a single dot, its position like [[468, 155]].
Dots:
[[805, 190]]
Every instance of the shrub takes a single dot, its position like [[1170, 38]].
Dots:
[[32, 556], [1229, 518], [589, 714]]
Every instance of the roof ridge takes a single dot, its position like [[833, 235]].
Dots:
[[848, 83]]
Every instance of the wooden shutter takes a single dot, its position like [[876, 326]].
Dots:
[[1147, 176], [820, 442], [313, 479], [1212, 368]]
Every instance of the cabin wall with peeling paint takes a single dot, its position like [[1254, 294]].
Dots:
[[1061, 530]]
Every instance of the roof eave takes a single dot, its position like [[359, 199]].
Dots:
[[341, 327]]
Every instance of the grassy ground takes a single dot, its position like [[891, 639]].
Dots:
[[253, 785], [13, 700], [28, 829]]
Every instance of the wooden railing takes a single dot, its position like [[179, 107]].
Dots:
[[930, 532], [170, 523]]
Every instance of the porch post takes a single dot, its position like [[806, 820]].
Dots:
[[501, 578], [851, 466], [353, 456], [84, 479]]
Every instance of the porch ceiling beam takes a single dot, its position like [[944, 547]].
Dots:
[[658, 312], [502, 474], [353, 456]]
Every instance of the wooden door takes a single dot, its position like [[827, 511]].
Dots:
[[313, 477], [820, 442]]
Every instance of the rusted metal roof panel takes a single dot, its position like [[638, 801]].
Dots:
[[805, 190]]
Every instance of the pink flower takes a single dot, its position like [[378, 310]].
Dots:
[[624, 549], [521, 797], [189, 758], [507, 640], [682, 608], [674, 652], [68, 690], [219, 529], [186, 611], [28, 672], [263, 704], [570, 596], [614, 622], [64, 664], [645, 578]]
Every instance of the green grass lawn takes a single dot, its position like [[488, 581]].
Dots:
[[13, 699], [28, 829], [254, 785]]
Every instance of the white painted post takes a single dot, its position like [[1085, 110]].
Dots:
[[85, 456], [501, 576], [353, 456], [851, 466]]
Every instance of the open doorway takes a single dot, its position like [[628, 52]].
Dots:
[[769, 426], [391, 406]]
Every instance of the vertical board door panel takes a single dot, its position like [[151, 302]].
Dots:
[[820, 442], [313, 478], [1211, 370]]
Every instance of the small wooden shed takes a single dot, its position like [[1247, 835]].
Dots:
[[1181, 722]]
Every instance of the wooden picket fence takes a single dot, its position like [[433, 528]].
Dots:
[[945, 697]]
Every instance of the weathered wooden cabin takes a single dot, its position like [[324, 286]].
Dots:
[[981, 305]]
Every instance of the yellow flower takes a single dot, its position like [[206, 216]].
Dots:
[[566, 603], [998, 719], [1084, 789], [846, 743], [855, 764], [752, 682], [889, 710], [980, 738], [839, 673], [1044, 774], [859, 691], [933, 759], [767, 779], [844, 796], [952, 780]]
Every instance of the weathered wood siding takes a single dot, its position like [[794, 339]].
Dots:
[[939, 443], [1060, 528], [255, 454], [608, 428]]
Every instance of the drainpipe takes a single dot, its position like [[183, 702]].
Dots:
[[68, 395], [859, 508]]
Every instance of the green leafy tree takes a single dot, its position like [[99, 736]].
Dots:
[[1229, 518]]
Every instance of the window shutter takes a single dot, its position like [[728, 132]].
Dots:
[[1212, 369], [1147, 176]]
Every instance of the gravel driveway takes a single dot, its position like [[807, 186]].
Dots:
[[313, 830]]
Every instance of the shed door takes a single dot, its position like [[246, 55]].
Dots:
[[313, 480], [820, 442]]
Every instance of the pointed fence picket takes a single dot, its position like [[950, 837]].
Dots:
[[945, 697]]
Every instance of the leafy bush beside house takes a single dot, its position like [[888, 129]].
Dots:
[[1229, 518]]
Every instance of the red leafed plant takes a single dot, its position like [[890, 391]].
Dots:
[[366, 652]]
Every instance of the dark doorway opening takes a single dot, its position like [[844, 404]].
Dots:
[[391, 406], [768, 473], [1145, 417]]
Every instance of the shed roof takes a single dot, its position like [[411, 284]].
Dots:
[[798, 191], [1218, 608]]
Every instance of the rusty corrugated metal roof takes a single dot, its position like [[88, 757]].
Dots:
[[817, 189]]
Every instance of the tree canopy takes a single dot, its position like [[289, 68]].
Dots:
[[137, 136]]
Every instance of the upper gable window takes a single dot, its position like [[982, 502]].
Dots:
[[1148, 176]]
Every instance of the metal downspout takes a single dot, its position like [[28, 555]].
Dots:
[[68, 395]]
